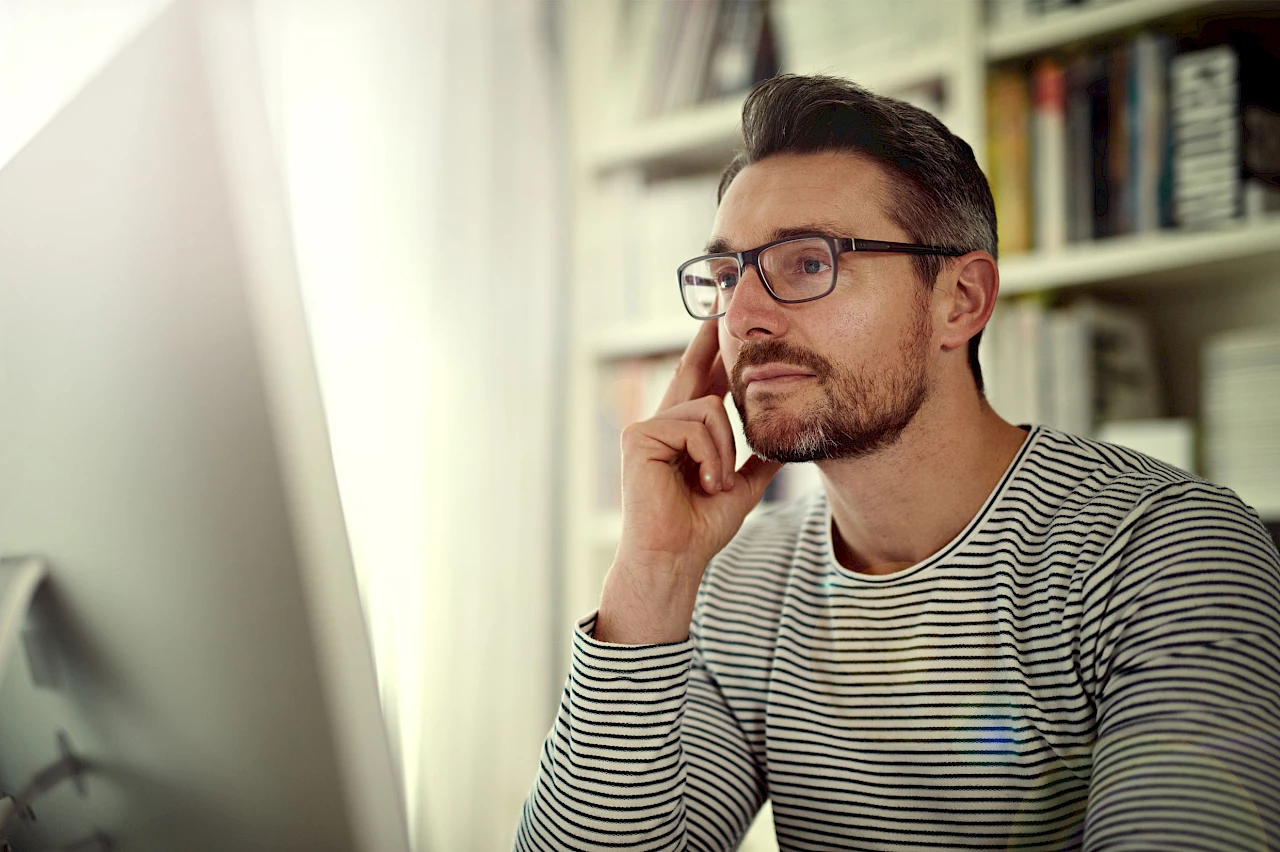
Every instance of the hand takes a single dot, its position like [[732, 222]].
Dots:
[[682, 501]]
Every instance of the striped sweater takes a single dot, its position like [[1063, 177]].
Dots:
[[1092, 663]]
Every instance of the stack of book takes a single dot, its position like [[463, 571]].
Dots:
[[1079, 147], [1241, 415], [1072, 368], [678, 53], [1206, 131], [1132, 139]]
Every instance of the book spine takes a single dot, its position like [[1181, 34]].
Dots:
[[1149, 154], [1009, 155], [1118, 182], [1205, 121], [1050, 155], [1099, 93], [1079, 151]]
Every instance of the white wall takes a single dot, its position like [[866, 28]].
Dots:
[[50, 48]]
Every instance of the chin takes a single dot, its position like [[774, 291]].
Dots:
[[788, 439], [821, 434]]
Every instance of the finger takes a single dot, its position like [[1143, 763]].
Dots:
[[667, 440], [709, 410], [718, 384], [756, 474], [751, 480], [692, 377]]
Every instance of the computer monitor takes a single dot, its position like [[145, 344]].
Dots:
[[199, 642]]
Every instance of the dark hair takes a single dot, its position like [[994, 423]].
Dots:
[[942, 196]]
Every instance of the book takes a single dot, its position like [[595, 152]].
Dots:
[[739, 28], [1204, 116], [662, 56], [1116, 216], [1070, 372], [1050, 155], [1072, 367], [1099, 98], [1009, 171], [686, 79], [1015, 337], [636, 39], [1126, 379], [1149, 151], [1240, 414], [1081, 72]]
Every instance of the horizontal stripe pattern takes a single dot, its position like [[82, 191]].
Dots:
[[1092, 663]]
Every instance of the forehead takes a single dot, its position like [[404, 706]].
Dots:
[[834, 192]]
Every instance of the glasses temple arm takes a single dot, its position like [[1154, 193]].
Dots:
[[903, 248]]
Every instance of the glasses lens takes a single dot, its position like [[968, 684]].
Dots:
[[704, 285], [799, 269]]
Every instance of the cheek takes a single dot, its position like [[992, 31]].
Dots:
[[729, 348]]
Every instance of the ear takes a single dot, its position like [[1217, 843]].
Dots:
[[968, 289]]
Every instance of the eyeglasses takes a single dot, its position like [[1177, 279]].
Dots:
[[795, 269]]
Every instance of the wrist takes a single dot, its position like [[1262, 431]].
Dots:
[[646, 602]]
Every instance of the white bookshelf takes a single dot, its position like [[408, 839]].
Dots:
[[1192, 284]]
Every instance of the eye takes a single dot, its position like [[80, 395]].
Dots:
[[725, 275], [813, 265]]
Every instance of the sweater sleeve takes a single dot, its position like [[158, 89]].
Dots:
[[643, 755], [1186, 661]]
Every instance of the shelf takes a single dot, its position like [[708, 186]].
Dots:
[[705, 129], [647, 338], [711, 131], [1162, 257], [1055, 30]]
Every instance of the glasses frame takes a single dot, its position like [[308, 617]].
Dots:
[[837, 246]]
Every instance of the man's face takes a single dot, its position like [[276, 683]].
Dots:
[[859, 359]]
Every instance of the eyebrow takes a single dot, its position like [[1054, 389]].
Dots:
[[720, 244]]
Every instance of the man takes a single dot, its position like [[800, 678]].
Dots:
[[977, 635]]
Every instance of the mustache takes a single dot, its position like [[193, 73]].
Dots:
[[777, 352]]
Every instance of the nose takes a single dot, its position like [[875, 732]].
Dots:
[[752, 312]]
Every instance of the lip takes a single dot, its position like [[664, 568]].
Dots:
[[774, 373]]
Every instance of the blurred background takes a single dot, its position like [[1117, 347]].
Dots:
[[482, 204]]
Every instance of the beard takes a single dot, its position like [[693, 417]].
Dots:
[[860, 412]]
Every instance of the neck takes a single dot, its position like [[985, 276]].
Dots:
[[901, 505]]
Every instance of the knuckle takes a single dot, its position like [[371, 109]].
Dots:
[[631, 434]]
